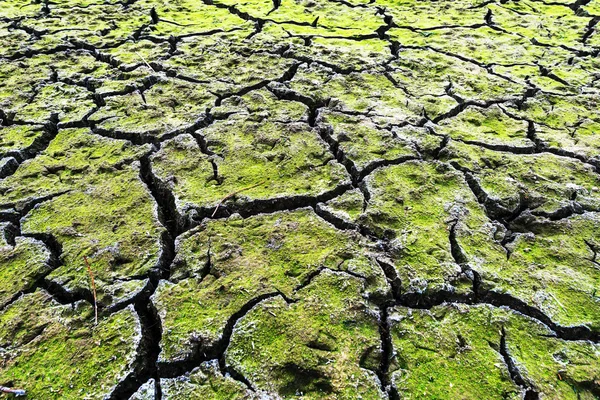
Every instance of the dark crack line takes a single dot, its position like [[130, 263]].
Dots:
[[515, 374]]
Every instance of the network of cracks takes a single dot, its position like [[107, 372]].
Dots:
[[300, 199]]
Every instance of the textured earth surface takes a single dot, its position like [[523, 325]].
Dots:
[[313, 199]]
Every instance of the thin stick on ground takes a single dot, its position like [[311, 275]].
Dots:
[[93, 283], [230, 195], [144, 60]]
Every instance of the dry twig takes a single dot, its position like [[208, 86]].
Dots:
[[144, 60], [230, 195], [91, 274]]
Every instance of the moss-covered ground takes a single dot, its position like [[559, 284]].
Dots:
[[300, 199]]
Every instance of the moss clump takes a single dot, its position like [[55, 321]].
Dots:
[[206, 382], [17, 138], [462, 351], [416, 204], [284, 160], [550, 267], [319, 347], [450, 352], [228, 263], [55, 352], [543, 182], [363, 143], [21, 266], [88, 213], [163, 108], [488, 126], [224, 64]]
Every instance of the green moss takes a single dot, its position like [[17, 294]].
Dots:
[[423, 15], [188, 17], [19, 9], [206, 382], [416, 203], [335, 19], [282, 159], [114, 23], [490, 126], [54, 352], [549, 268], [71, 103], [363, 143], [348, 206], [313, 347], [368, 93], [224, 64], [166, 106], [249, 258], [581, 139], [559, 112], [450, 352], [18, 137], [11, 40], [430, 72], [549, 24], [455, 351], [558, 369], [259, 105], [484, 45], [21, 266], [547, 182], [90, 214]]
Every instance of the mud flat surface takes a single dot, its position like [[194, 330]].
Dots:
[[312, 199]]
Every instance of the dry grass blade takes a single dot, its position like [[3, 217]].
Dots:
[[144, 60], [230, 195], [93, 283]]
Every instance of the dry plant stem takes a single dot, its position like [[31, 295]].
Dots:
[[145, 62], [230, 195], [91, 274]]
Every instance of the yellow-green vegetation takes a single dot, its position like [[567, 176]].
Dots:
[[284, 160], [96, 206], [325, 345], [22, 264], [224, 266], [300, 199], [474, 352], [54, 352]]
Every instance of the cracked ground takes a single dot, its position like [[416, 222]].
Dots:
[[315, 199]]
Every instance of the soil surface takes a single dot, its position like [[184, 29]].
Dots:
[[312, 199]]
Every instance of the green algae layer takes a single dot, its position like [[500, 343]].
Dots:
[[300, 199]]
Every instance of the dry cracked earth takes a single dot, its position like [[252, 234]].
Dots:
[[316, 199]]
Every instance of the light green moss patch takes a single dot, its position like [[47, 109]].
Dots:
[[55, 352], [456, 351], [166, 106], [549, 268], [284, 160], [21, 266], [546, 182], [325, 346], [14, 139], [206, 382], [88, 212], [450, 352], [489, 126], [416, 203], [364, 144], [427, 72], [216, 273]]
